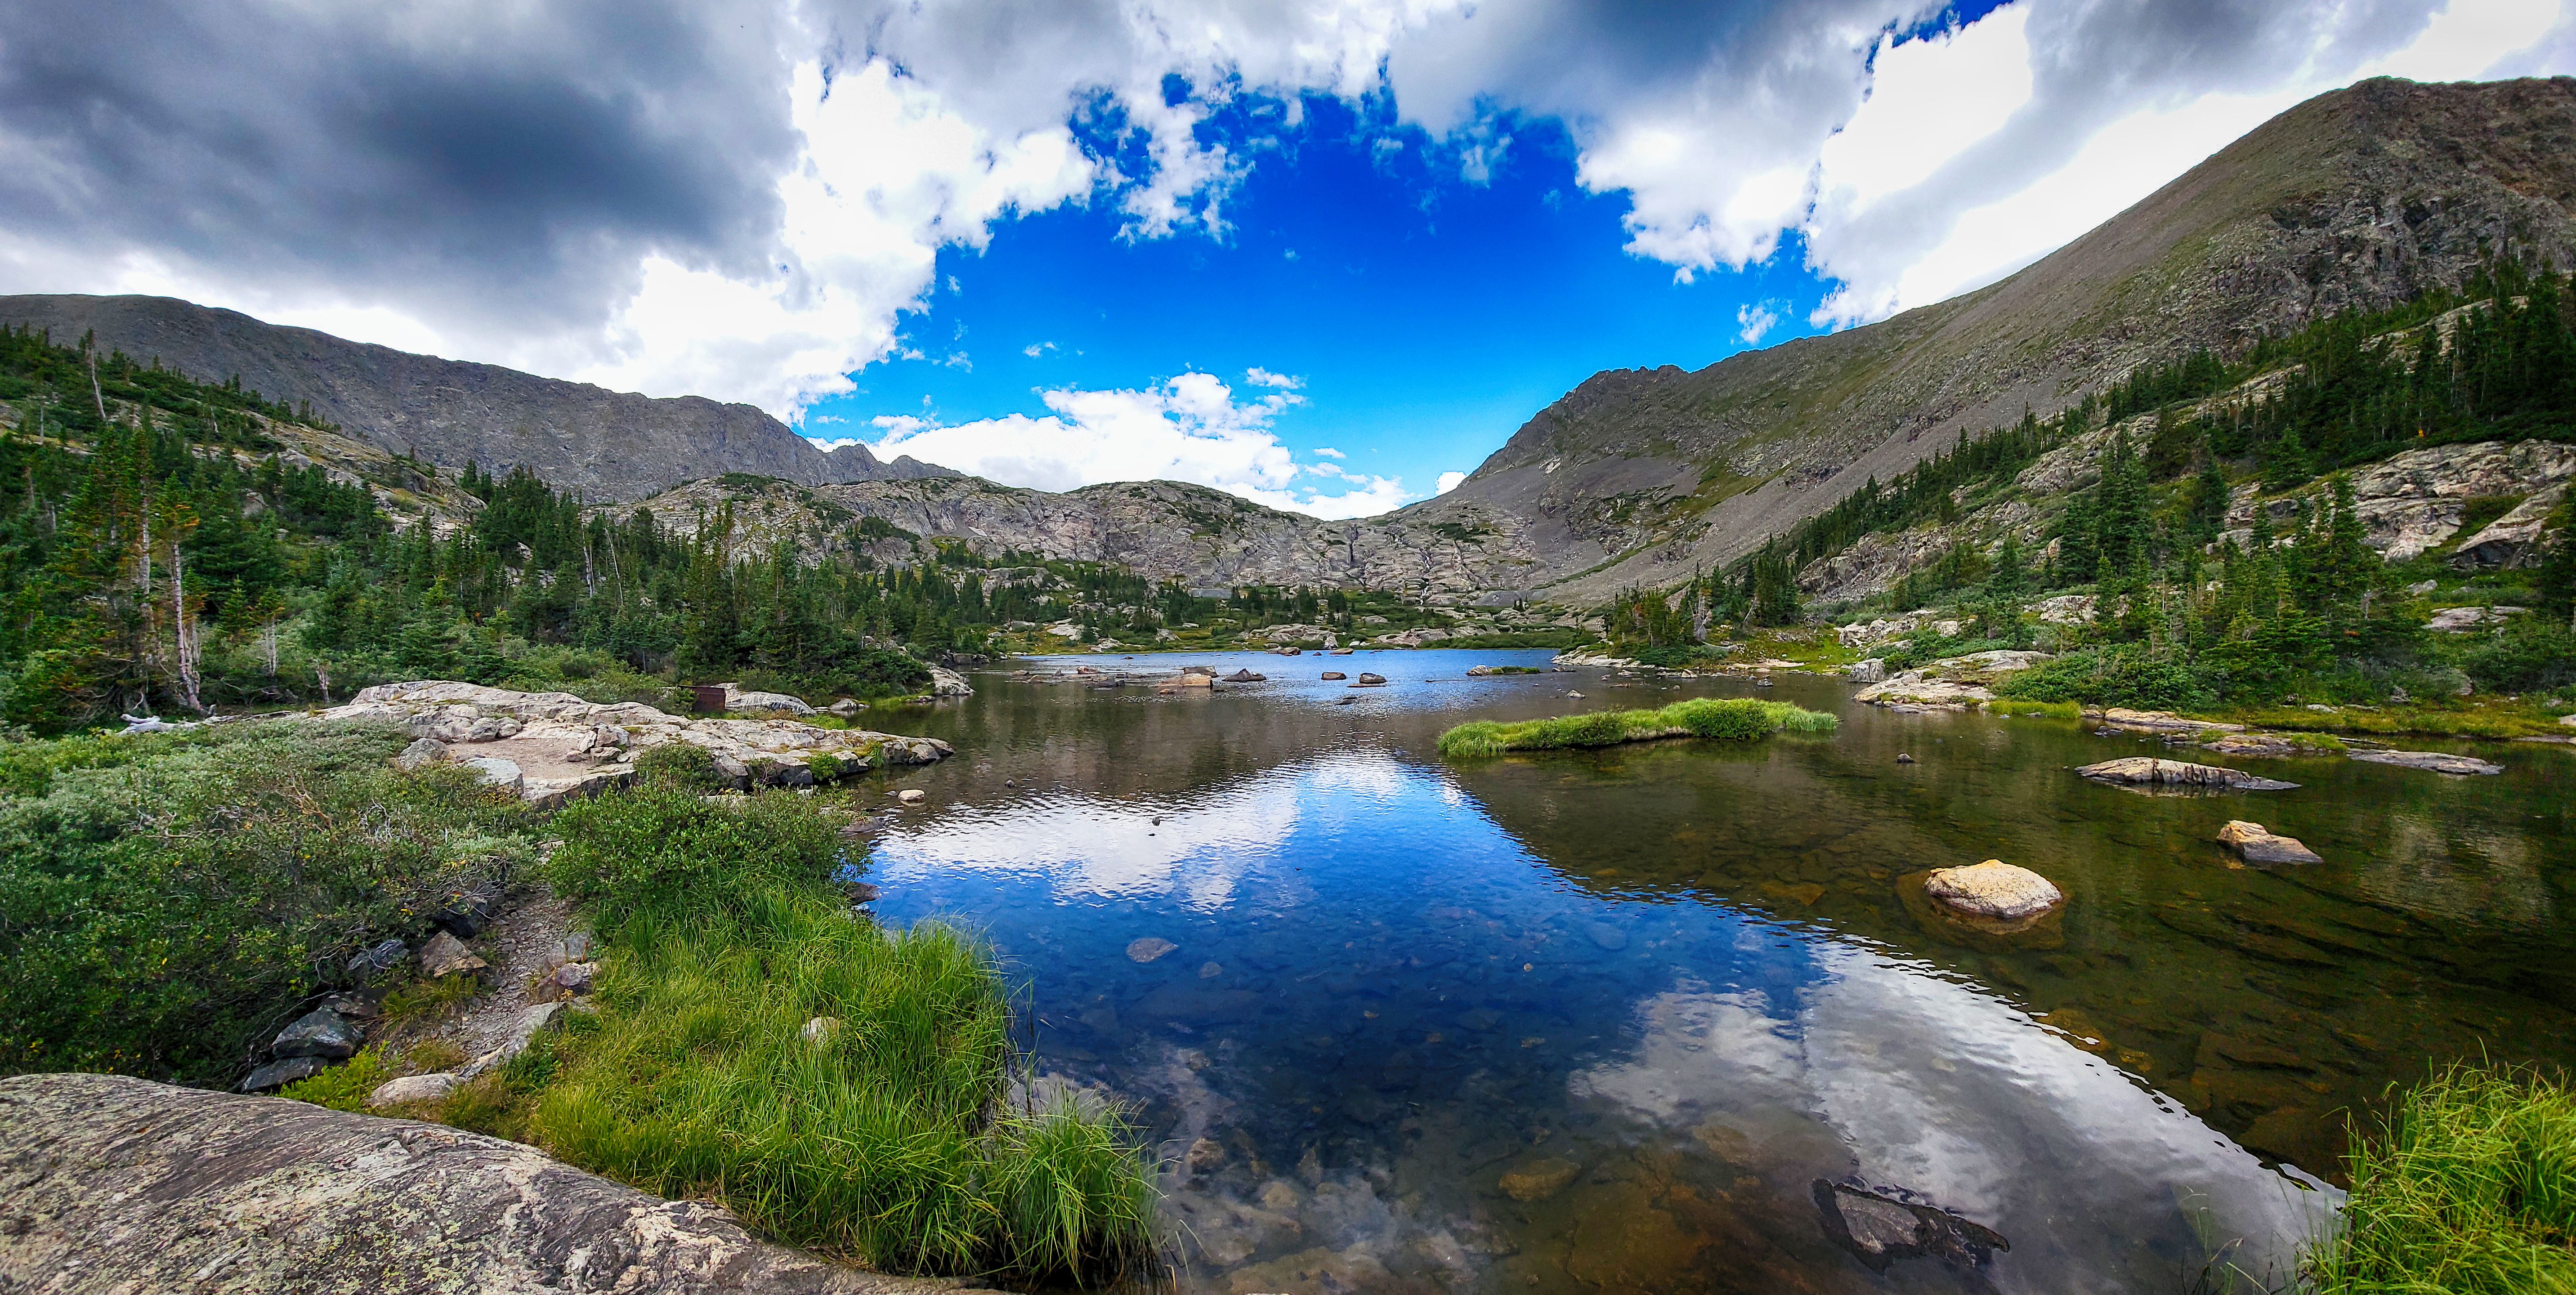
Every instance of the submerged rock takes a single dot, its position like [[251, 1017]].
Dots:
[[1878, 1228], [2435, 761], [2258, 844], [1149, 948], [2147, 771], [114, 1184], [1334, 676], [1994, 889], [1536, 1180]]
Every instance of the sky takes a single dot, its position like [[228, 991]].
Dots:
[[1324, 254]]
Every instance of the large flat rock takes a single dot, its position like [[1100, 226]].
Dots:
[[111, 1184], [564, 747]]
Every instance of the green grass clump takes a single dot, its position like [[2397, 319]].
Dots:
[[2471, 1190], [887, 1140], [2040, 709], [1733, 717]]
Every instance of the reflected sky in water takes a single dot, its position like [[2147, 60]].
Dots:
[[1457, 1028]]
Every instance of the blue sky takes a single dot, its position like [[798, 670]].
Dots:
[[813, 206], [1425, 316]]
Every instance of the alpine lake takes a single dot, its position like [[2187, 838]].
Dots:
[[1667, 1017]]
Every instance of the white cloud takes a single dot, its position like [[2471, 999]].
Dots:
[[1755, 320], [1035, 349], [1329, 452], [1190, 428], [1449, 481], [1261, 377]]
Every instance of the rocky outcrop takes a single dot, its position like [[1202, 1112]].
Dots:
[[2414, 502], [1951, 681], [599, 443], [117, 1185], [2149, 772], [563, 747]]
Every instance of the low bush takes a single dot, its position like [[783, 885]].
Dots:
[[345, 1087], [164, 913], [663, 853], [2469, 1190], [1734, 718], [2115, 676]]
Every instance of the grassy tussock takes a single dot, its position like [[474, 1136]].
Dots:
[[1737, 718], [887, 1140], [2470, 1191], [2037, 709]]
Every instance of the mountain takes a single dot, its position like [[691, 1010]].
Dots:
[[604, 444], [1161, 530], [2362, 197]]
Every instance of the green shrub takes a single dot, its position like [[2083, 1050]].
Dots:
[[163, 915], [344, 1087], [663, 853], [2118, 676], [682, 766], [2470, 1190]]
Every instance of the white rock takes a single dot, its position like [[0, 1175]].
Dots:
[[499, 772], [413, 1088], [1994, 889], [945, 682], [912, 795]]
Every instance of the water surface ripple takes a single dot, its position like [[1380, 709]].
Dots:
[[1606, 1021]]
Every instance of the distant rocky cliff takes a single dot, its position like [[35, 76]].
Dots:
[[2361, 197], [604, 444]]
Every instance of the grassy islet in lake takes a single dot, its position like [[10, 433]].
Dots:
[[1719, 717]]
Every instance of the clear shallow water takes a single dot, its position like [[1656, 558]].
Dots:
[[1664, 990]]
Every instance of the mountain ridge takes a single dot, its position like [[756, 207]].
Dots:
[[578, 436]]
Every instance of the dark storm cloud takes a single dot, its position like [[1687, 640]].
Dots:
[[472, 154]]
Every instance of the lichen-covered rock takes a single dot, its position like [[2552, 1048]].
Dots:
[[111, 1184], [413, 1088], [1951, 681], [2147, 771], [564, 747]]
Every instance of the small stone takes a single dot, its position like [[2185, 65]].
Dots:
[[376, 960], [1205, 1155], [574, 977], [278, 1074], [821, 1029], [1245, 676], [1334, 676], [1210, 970], [861, 892], [2258, 844], [2147, 771], [1903, 758], [912, 796], [413, 1088], [1576, 695], [319, 1033], [576, 946], [1367, 680], [1536, 1180], [445, 955], [1149, 948], [1280, 1196], [1994, 889], [422, 753]]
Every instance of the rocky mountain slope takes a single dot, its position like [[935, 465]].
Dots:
[[2361, 197], [1162, 530], [605, 444]]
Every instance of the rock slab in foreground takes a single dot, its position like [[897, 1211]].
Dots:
[[2147, 771], [111, 1184]]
